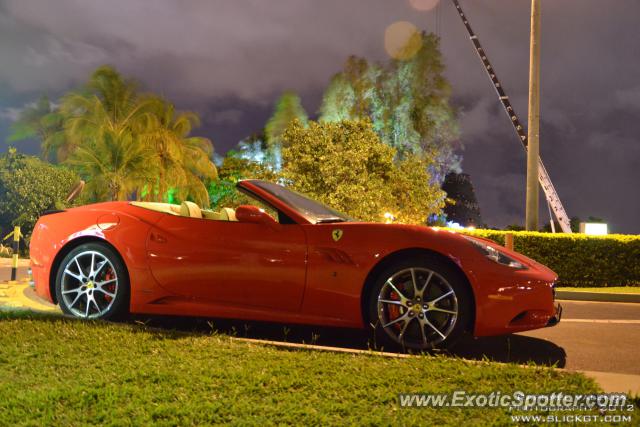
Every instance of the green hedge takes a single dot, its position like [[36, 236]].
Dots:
[[579, 260]]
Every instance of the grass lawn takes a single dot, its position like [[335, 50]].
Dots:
[[57, 371], [612, 289]]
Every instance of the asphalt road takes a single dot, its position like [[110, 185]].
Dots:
[[5, 271], [595, 344], [592, 336]]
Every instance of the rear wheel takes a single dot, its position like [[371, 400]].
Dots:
[[419, 304], [92, 283]]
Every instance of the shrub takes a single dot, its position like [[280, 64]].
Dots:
[[579, 260], [29, 186]]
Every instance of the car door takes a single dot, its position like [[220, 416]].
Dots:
[[229, 262]]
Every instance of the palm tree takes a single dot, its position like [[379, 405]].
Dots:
[[184, 161], [102, 126], [124, 142], [107, 103], [42, 121], [115, 164]]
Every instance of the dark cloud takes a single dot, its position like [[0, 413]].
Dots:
[[229, 60]]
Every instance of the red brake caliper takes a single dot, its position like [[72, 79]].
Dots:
[[110, 286], [394, 310]]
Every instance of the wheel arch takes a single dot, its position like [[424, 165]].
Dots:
[[68, 247], [405, 253]]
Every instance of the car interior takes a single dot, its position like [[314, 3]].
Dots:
[[189, 209]]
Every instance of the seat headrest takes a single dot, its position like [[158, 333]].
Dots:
[[230, 213], [191, 210]]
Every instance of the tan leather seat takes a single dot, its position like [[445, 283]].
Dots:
[[228, 214], [191, 210], [209, 214], [159, 207], [225, 214]]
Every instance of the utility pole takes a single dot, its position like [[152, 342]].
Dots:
[[533, 149], [551, 195]]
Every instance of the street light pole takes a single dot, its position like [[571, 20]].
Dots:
[[533, 149]]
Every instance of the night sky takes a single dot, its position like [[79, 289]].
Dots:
[[229, 61]]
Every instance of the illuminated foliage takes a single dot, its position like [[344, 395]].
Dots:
[[338, 100], [288, 108], [578, 259], [184, 162], [407, 101], [223, 193], [121, 141], [114, 167], [345, 165]]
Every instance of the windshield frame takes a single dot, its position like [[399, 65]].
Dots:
[[311, 210]]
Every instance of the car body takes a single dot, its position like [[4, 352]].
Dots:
[[295, 270]]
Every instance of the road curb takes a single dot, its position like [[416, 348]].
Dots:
[[609, 382], [597, 296], [613, 382], [20, 295], [6, 262]]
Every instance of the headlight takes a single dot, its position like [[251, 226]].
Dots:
[[495, 255]]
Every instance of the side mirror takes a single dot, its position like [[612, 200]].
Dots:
[[249, 213]]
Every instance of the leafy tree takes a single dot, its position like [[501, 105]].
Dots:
[[338, 101], [253, 148], [29, 186], [235, 167], [222, 192], [464, 208], [345, 165], [288, 108], [407, 101], [416, 198]]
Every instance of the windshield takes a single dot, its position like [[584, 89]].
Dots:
[[313, 211]]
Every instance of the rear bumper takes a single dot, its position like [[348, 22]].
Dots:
[[40, 280], [555, 319]]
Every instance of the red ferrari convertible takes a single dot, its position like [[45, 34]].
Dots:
[[289, 259]]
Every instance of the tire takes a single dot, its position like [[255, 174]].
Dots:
[[92, 283], [433, 314]]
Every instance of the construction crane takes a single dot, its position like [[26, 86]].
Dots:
[[553, 200]]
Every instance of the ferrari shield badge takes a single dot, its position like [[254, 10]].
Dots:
[[336, 234]]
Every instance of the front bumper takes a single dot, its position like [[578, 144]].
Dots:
[[521, 305]]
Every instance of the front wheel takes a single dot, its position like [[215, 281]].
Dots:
[[419, 304], [92, 283]]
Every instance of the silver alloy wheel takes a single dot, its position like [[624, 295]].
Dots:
[[417, 307], [89, 284]]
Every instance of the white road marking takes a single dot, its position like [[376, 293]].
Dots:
[[621, 321], [601, 303]]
